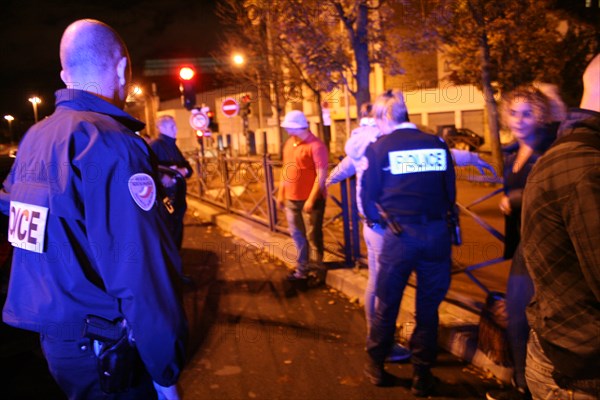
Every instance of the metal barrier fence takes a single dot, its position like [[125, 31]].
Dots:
[[247, 186]]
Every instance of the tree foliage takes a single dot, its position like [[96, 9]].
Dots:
[[321, 43], [337, 41], [529, 40], [497, 45]]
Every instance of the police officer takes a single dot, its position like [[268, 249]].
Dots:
[[179, 169], [409, 187], [89, 230]]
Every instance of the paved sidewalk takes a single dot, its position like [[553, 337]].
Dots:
[[458, 319], [255, 337]]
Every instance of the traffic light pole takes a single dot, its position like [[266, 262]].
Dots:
[[246, 133], [259, 94]]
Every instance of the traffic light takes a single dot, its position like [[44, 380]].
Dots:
[[212, 125], [245, 106], [187, 87]]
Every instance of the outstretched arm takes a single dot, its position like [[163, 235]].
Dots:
[[344, 170]]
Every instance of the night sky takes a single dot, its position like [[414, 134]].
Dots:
[[30, 34]]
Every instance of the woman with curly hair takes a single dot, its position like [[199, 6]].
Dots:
[[532, 114], [532, 117]]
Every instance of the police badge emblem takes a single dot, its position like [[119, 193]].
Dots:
[[143, 190]]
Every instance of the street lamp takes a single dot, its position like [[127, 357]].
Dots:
[[137, 95], [9, 119], [34, 102], [238, 59]]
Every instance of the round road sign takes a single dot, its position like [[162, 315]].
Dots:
[[230, 107], [199, 121]]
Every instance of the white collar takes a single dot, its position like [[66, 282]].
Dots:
[[404, 125]]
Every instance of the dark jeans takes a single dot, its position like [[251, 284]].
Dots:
[[519, 291], [72, 364], [298, 231], [425, 249]]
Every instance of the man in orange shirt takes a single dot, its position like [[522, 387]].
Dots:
[[302, 188]]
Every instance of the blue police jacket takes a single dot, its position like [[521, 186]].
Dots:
[[410, 174], [89, 234]]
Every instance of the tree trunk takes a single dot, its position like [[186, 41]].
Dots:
[[320, 134], [361, 54], [491, 106]]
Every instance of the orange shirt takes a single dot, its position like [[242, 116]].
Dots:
[[300, 164]]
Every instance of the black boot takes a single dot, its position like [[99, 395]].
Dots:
[[376, 374], [423, 382]]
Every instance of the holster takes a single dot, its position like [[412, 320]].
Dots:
[[118, 359], [454, 227]]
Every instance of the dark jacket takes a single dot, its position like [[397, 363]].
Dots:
[[561, 232], [103, 247], [514, 183], [418, 181]]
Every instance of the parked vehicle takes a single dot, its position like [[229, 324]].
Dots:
[[460, 138]]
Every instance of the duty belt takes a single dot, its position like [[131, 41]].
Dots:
[[417, 218], [407, 219]]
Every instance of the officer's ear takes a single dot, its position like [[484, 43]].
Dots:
[[123, 71], [66, 78]]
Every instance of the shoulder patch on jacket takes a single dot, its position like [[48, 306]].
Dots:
[[143, 190]]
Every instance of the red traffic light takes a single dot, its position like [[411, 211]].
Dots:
[[187, 83], [187, 73]]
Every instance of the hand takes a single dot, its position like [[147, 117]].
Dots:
[[167, 393], [182, 171], [308, 206], [167, 180], [483, 165], [280, 203], [505, 205], [464, 158]]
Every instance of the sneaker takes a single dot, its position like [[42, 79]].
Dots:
[[423, 384], [398, 354], [513, 393], [377, 375]]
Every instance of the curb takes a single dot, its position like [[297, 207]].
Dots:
[[458, 321]]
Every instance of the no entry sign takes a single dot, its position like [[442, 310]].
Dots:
[[230, 107]]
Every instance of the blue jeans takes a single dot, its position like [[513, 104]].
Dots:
[[374, 240], [73, 365], [543, 386], [298, 231], [519, 291], [423, 248]]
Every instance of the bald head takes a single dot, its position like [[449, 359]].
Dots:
[[591, 86], [94, 58]]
